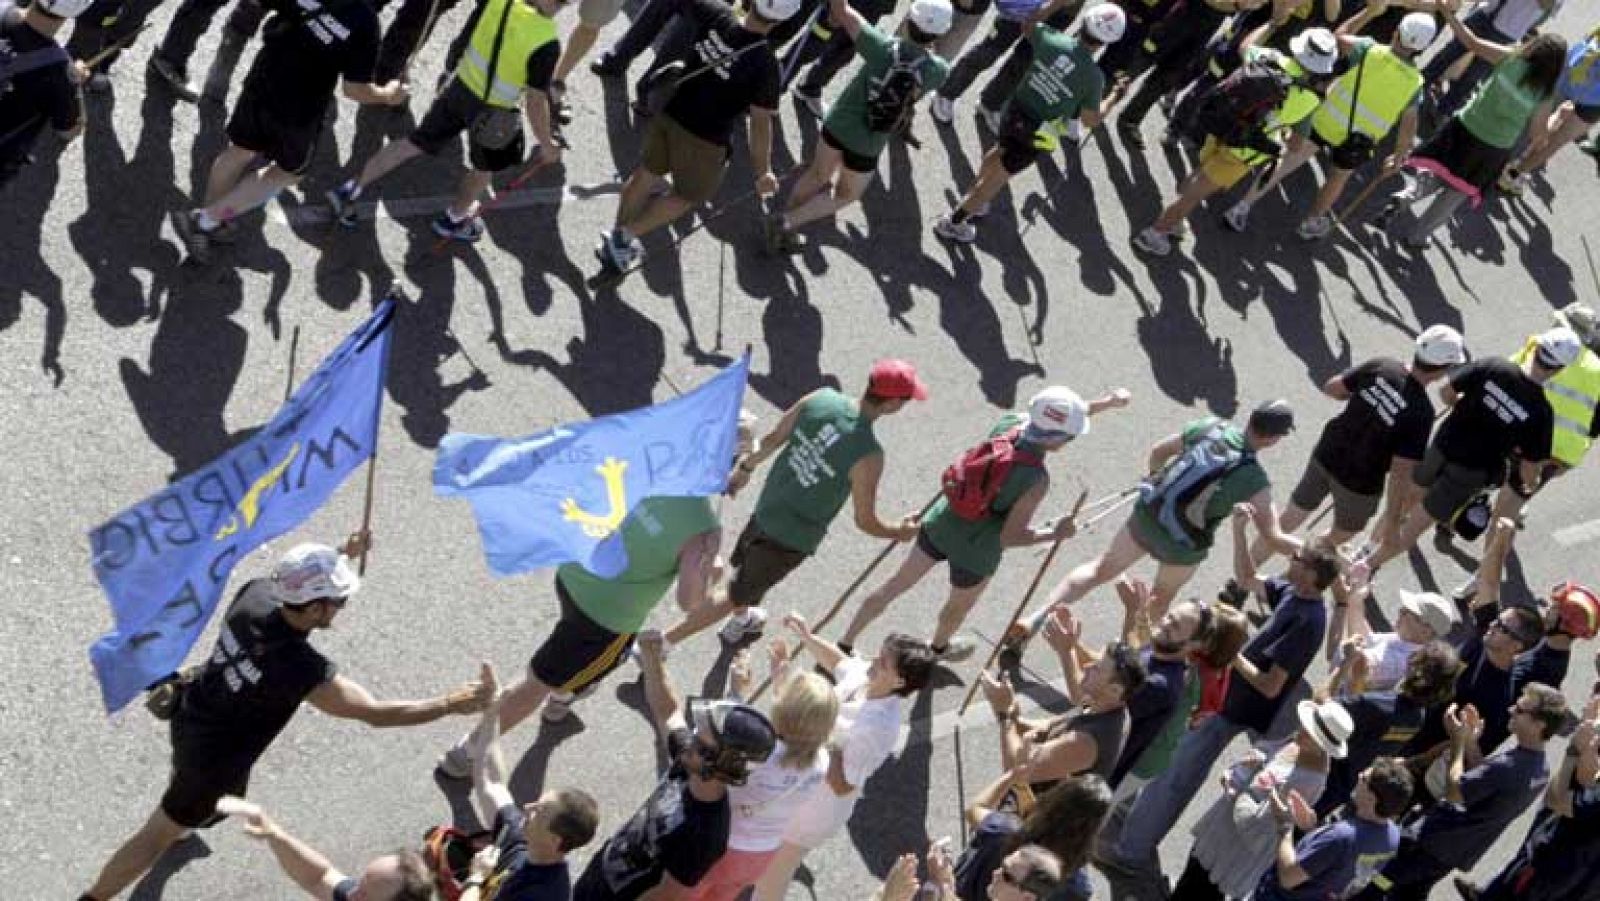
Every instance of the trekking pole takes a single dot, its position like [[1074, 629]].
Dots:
[[839, 604], [1115, 500], [294, 347], [1022, 607], [794, 57], [519, 181]]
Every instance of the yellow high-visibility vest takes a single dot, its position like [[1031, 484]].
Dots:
[[1573, 394], [527, 30], [1388, 86]]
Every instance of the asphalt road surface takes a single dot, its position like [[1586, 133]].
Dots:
[[123, 369]]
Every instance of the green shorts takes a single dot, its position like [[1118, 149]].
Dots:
[[1151, 536]]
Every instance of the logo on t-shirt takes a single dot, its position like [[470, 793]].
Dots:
[[1386, 402], [715, 52], [806, 455], [1497, 400], [238, 669]]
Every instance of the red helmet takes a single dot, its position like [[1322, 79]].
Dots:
[[1577, 609]]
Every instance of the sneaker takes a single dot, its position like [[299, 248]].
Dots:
[[196, 241], [743, 627], [1152, 241], [1131, 135], [1513, 183], [1013, 645], [609, 66], [1233, 594], [175, 78], [956, 650], [990, 118], [558, 706], [618, 256], [1591, 147], [1315, 228], [951, 230], [467, 231], [811, 100], [456, 763], [1237, 217], [943, 109], [342, 202]]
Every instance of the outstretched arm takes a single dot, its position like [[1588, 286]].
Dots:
[[345, 699]]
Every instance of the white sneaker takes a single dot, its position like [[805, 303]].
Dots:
[[957, 649], [457, 762], [1315, 228], [942, 108], [558, 706], [743, 626], [961, 232], [1237, 217], [991, 118], [1154, 242], [638, 659]]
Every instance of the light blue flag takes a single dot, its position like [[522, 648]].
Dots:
[[558, 495], [164, 561]]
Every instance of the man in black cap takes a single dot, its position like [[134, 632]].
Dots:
[[681, 831], [1196, 478]]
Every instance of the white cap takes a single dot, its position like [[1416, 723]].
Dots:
[[64, 9], [1441, 345], [1315, 49], [1105, 22], [1438, 613], [777, 10], [313, 571], [1560, 346], [931, 16], [1057, 410], [1328, 724], [1417, 31]]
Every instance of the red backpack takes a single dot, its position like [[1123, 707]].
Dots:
[[972, 482]]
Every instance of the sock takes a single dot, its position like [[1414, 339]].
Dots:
[[960, 215], [205, 221]]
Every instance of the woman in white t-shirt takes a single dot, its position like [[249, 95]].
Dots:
[[803, 718], [871, 709]]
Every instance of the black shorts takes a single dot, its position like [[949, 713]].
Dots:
[[853, 161], [1587, 114], [1449, 486], [451, 114], [256, 126], [579, 651], [192, 793], [759, 562], [959, 578], [1017, 150]]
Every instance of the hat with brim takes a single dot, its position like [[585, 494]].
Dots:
[[1432, 609], [1328, 724]]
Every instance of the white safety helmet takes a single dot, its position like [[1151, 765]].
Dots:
[[931, 17], [1105, 22], [63, 9], [1316, 50], [1417, 31], [1441, 345], [776, 10], [1058, 411]]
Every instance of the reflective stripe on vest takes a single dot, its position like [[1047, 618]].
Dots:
[[527, 30], [1573, 394], [1388, 85]]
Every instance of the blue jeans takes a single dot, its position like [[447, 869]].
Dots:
[[1162, 801]]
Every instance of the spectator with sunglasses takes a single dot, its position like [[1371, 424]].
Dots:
[[1486, 682], [242, 697], [1030, 873]]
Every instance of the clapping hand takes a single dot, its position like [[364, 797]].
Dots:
[[740, 678], [902, 883], [998, 692], [483, 863], [1062, 631]]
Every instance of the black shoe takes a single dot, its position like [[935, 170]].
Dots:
[[1233, 594], [175, 78], [609, 66]]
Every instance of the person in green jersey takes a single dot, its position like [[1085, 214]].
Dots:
[[826, 454], [972, 547], [895, 72], [666, 539], [1062, 82]]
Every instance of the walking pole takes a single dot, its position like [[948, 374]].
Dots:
[[294, 347], [1022, 605]]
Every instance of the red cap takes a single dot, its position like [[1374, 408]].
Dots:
[[896, 380]]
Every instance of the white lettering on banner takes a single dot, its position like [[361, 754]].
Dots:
[[1384, 401], [1496, 399]]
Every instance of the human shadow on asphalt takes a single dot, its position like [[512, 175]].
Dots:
[[26, 200], [1065, 202], [127, 200], [613, 331], [423, 339], [532, 236], [1188, 364], [154, 884], [528, 777], [1536, 250]]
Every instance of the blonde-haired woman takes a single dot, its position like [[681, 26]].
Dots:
[[803, 717]]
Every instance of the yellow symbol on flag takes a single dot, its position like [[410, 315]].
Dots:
[[594, 526], [249, 508]]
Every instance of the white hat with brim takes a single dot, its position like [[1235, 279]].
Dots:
[[1438, 613], [1328, 724]]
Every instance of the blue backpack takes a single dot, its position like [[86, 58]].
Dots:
[[1580, 82], [1179, 493]]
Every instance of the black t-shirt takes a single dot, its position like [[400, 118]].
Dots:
[[1562, 853], [34, 98], [1499, 409], [711, 102], [542, 65], [516, 878], [345, 889], [1380, 29], [1385, 721], [254, 681], [1484, 686], [1149, 710], [673, 833], [302, 58], [1543, 664], [1388, 415]]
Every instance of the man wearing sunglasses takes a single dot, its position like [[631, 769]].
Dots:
[[1030, 873], [246, 692], [1487, 681]]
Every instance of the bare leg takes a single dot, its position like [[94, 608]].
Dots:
[[955, 611], [472, 186], [579, 42], [250, 193], [635, 194], [1565, 127], [1288, 522], [912, 569], [387, 160], [817, 178], [1332, 190], [992, 176], [137, 855], [521, 700], [1196, 188], [1301, 150], [1170, 579], [698, 621], [1112, 562], [657, 212], [774, 882], [226, 171], [1417, 521], [847, 190]]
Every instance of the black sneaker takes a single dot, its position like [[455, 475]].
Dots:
[[195, 239], [467, 231], [175, 78], [609, 66], [1233, 594]]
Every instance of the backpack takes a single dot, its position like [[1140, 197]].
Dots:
[[448, 852], [972, 482], [892, 96], [1234, 109], [13, 63], [1178, 494]]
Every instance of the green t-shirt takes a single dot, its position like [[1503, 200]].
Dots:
[[1157, 755], [1063, 79], [810, 480], [1236, 487], [1502, 105], [847, 118], [975, 545], [653, 534]]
